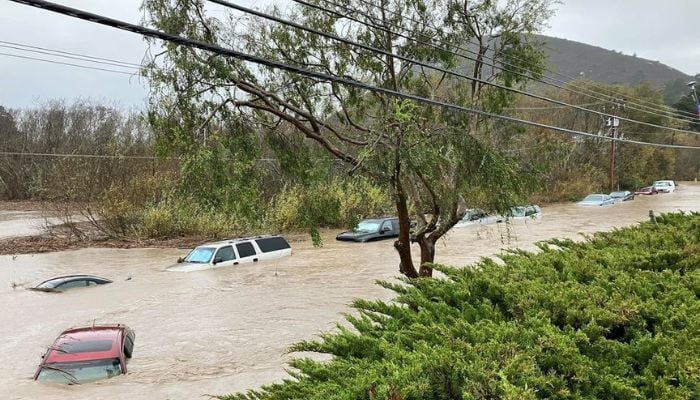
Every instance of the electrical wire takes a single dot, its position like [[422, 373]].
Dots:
[[68, 155], [68, 64], [550, 107], [79, 57], [614, 97], [434, 67], [675, 114], [149, 32], [126, 63]]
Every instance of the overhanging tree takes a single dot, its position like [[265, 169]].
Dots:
[[431, 158]]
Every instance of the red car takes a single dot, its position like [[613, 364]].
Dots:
[[87, 354], [647, 190]]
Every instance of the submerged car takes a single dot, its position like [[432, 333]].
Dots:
[[623, 195], [87, 354], [649, 190], [529, 211], [477, 216], [597, 200], [372, 229], [62, 283], [233, 252], [664, 186]]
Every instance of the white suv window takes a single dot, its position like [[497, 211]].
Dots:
[[225, 254]]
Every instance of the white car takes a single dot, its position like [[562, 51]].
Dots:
[[476, 216], [232, 252], [664, 186], [530, 211]]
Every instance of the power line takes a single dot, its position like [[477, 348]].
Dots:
[[102, 156], [434, 67], [69, 155], [126, 63], [550, 107], [79, 57], [122, 25], [614, 97], [676, 114], [68, 64]]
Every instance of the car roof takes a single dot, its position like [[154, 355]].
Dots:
[[65, 278], [236, 240], [379, 219], [109, 333]]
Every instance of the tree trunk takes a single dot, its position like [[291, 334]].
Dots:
[[403, 243], [427, 256]]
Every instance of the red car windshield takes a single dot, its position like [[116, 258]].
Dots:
[[80, 372]]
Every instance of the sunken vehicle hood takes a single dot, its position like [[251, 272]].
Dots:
[[186, 266], [355, 235]]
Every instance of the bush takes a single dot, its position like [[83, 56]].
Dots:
[[336, 203], [615, 317]]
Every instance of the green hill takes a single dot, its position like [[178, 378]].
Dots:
[[579, 60]]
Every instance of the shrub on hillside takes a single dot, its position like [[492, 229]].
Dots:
[[615, 317]]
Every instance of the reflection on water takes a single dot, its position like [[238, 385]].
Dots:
[[225, 330]]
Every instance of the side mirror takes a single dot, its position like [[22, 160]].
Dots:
[[180, 260], [217, 260], [386, 229]]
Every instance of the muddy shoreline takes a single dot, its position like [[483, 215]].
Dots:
[[60, 239]]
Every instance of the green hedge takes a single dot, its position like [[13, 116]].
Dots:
[[614, 317]]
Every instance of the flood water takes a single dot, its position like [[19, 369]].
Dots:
[[227, 330]]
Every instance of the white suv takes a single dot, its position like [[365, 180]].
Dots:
[[664, 186], [233, 252]]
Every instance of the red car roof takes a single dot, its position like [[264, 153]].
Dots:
[[88, 343]]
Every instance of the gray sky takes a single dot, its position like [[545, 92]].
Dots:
[[664, 31]]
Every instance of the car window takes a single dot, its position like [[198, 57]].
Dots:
[[245, 249], [395, 224], [225, 254], [386, 225], [128, 346], [200, 255], [72, 284], [368, 226], [272, 244], [86, 346]]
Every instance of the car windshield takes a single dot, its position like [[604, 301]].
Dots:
[[367, 226], [593, 197], [200, 255], [662, 184], [51, 284], [517, 211], [80, 372]]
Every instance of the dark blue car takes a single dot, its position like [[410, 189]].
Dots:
[[372, 229]]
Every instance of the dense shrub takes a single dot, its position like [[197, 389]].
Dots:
[[615, 317], [335, 203]]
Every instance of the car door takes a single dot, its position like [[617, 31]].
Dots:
[[224, 257], [71, 284], [246, 252], [386, 229]]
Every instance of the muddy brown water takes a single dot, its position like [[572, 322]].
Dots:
[[217, 332]]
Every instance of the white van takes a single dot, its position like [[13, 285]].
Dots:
[[232, 252], [664, 186]]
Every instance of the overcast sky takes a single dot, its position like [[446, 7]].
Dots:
[[664, 31]]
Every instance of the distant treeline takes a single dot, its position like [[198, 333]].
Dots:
[[240, 179]]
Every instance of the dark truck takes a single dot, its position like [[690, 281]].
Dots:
[[372, 229]]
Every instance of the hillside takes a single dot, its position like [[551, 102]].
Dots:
[[577, 59]]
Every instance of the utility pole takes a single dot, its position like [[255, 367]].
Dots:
[[613, 123], [691, 84]]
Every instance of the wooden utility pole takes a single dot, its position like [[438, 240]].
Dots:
[[611, 173], [613, 123]]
